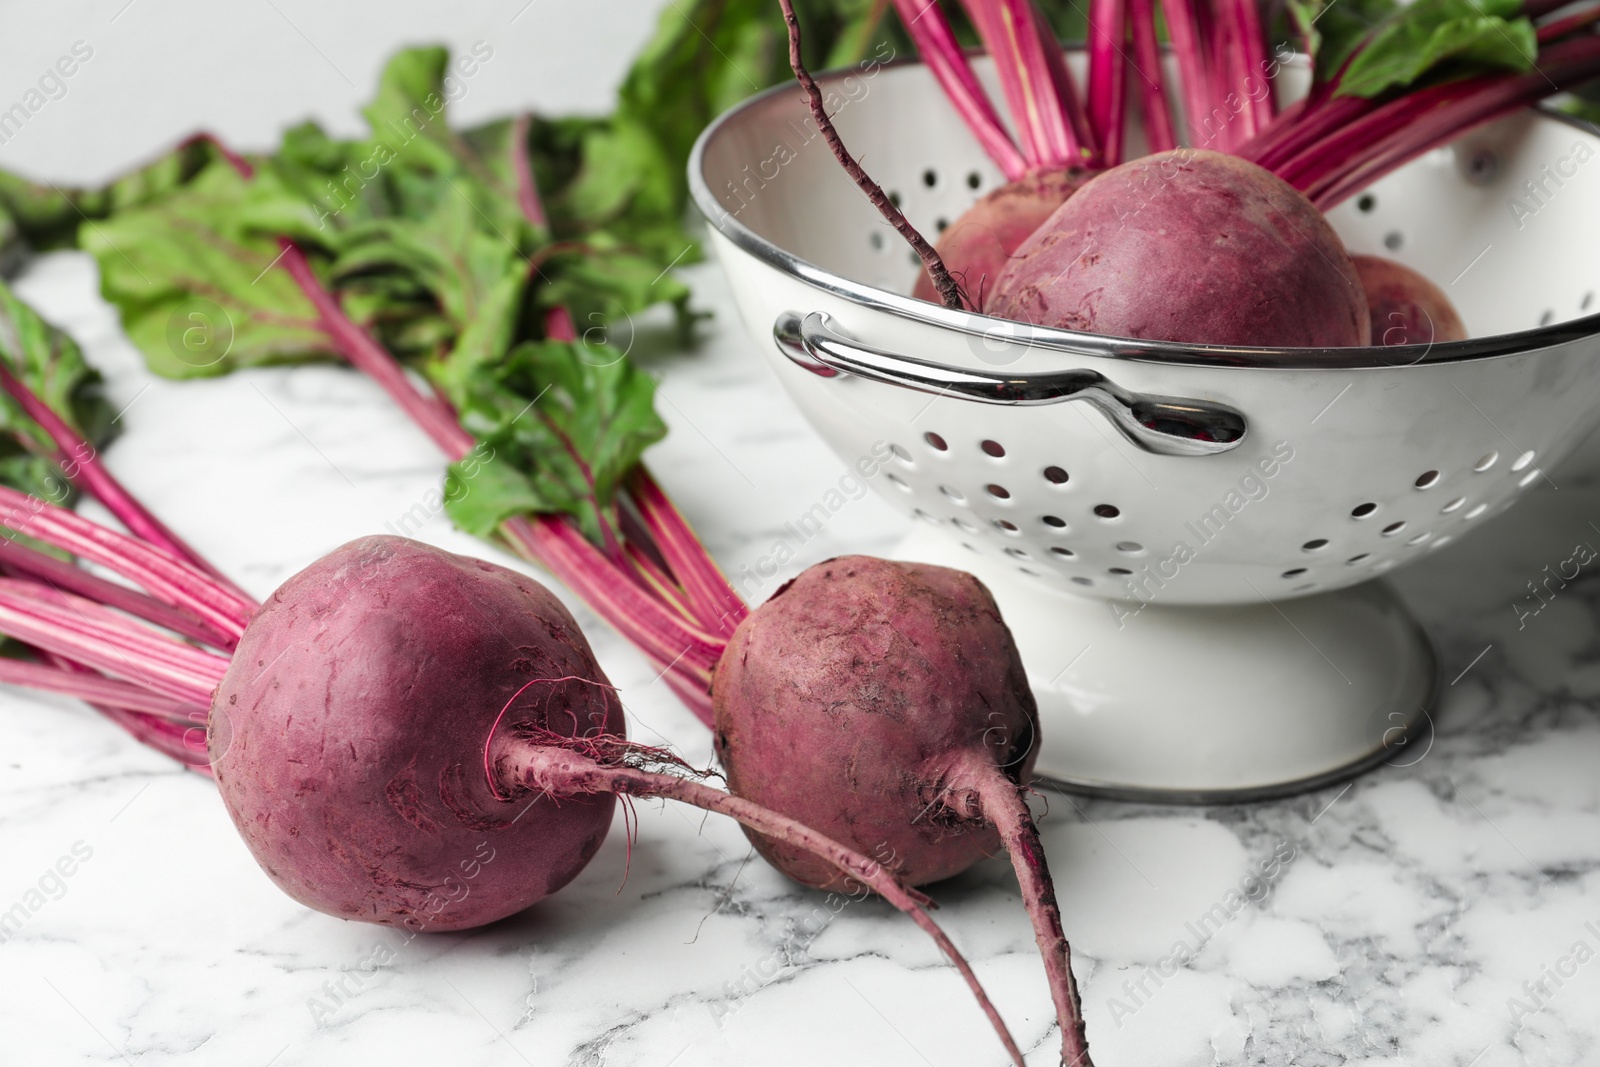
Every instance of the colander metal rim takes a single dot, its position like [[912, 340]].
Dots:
[[1372, 357]]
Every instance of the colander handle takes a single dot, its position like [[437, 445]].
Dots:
[[1167, 426]]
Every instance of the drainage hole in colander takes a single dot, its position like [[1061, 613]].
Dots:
[[953, 493], [1477, 510], [1081, 581], [1130, 548], [935, 442], [1063, 552], [1394, 528], [1017, 553], [1366, 203], [1413, 542], [993, 448], [1441, 542], [1357, 558], [1030, 574], [1427, 479], [999, 492], [1007, 525], [1294, 572], [1361, 511], [1529, 478], [894, 197], [1544, 320], [941, 225], [1522, 461], [968, 547], [974, 180], [901, 454], [1304, 588], [1118, 571], [1314, 544], [1487, 461], [924, 516], [963, 524], [1588, 298], [913, 259], [898, 482], [1454, 505], [1055, 521], [1107, 511], [1392, 240], [1055, 475], [930, 177], [1385, 565], [876, 241]]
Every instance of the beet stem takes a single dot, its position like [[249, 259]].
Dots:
[[83, 630], [1147, 68], [545, 540], [81, 463], [562, 772], [1108, 62], [713, 600], [168, 578], [930, 31], [1003, 804], [20, 560], [949, 293], [93, 688]]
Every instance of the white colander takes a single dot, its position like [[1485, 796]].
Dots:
[[1182, 537]]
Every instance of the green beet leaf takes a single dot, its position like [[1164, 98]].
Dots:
[[566, 423], [197, 286], [1462, 36]]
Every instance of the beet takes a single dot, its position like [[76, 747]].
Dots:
[[1193, 246], [885, 704], [979, 244], [1405, 307], [348, 735]]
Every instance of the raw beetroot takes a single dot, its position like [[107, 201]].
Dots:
[[902, 687], [1406, 308], [979, 244], [348, 735], [1192, 246]]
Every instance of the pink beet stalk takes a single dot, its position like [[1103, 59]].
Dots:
[[1077, 118], [1010, 30], [1107, 76], [936, 43], [1399, 131], [19, 559], [83, 631], [83, 468], [712, 599], [170, 580], [1194, 76], [92, 688], [1149, 74]]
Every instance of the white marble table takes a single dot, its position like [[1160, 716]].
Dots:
[[1408, 917]]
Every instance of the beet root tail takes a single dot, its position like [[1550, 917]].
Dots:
[[526, 764], [1003, 804]]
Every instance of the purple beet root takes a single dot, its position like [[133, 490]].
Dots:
[[979, 244], [885, 704], [1193, 246], [349, 734], [1406, 308]]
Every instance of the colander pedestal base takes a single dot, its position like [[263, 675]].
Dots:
[[1211, 704]]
